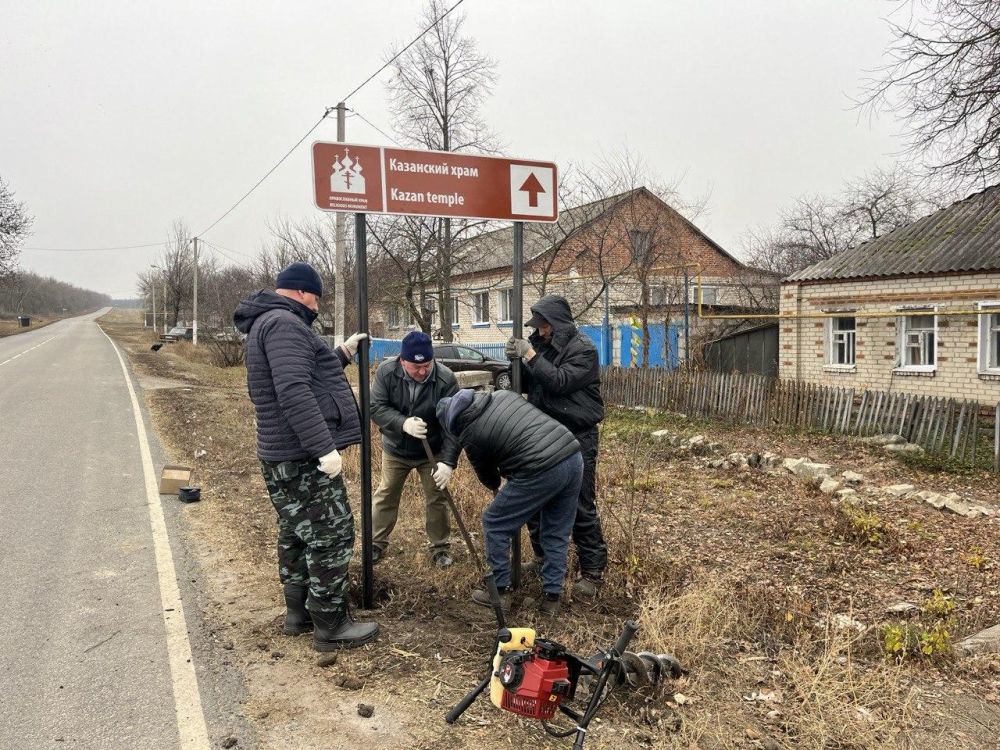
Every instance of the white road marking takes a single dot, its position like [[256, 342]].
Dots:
[[26, 351], [187, 700]]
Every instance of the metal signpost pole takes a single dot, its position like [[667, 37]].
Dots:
[[517, 302], [367, 562]]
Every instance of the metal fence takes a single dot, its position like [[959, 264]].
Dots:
[[961, 430]]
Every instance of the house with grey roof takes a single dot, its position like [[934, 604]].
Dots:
[[916, 310]]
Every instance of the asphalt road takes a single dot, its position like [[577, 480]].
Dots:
[[101, 643]]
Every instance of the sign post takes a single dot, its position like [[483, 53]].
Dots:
[[517, 330], [367, 560], [363, 179]]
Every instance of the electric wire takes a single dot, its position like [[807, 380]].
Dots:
[[375, 127], [326, 114], [91, 249], [266, 175], [288, 153], [399, 54]]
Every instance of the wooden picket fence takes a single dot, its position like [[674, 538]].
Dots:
[[961, 430]]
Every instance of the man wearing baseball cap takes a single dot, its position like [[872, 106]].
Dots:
[[405, 392]]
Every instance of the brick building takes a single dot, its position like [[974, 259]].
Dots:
[[916, 310], [634, 245]]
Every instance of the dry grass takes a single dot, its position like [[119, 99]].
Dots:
[[730, 572]]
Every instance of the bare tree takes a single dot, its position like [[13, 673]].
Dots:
[[942, 80], [176, 271], [818, 227], [436, 92], [15, 226]]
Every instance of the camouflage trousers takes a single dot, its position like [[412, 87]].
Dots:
[[315, 530]]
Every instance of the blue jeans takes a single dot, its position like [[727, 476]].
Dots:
[[552, 495]]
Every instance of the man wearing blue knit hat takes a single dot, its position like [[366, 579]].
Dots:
[[405, 392]]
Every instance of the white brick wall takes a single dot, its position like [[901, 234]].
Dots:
[[803, 341]]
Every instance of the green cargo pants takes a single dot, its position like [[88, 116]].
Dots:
[[315, 530], [385, 502]]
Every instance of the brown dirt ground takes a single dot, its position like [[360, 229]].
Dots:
[[734, 572], [12, 327]]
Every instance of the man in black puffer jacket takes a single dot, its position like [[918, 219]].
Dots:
[[505, 436], [562, 377], [306, 414]]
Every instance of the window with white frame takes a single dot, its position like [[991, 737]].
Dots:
[[989, 338], [709, 295], [481, 307], [393, 316], [918, 341], [505, 297], [842, 334], [454, 311]]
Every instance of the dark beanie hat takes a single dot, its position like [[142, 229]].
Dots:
[[300, 276], [417, 347], [450, 407]]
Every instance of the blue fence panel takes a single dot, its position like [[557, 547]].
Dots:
[[663, 350], [605, 351], [383, 349]]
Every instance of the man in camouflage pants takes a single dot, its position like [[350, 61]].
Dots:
[[306, 414]]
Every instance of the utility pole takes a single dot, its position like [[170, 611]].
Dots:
[[164, 301], [194, 305], [153, 285], [340, 241]]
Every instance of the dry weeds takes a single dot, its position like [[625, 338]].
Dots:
[[731, 572]]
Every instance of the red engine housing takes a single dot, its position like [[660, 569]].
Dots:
[[533, 685]]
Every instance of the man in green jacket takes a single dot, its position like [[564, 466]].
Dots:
[[405, 392]]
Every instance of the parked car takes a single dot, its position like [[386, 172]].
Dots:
[[177, 333], [459, 358]]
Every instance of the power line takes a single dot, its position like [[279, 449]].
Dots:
[[327, 114], [218, 250], [399, 54], [228, 249], [91, 249], [375, 127], [268, 174]]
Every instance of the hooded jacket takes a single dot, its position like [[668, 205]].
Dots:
[[305, 406], [391, 405], [564, 377], [505, 436]]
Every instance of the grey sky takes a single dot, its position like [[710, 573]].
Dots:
[[120, 116]]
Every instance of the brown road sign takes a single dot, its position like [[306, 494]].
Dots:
[[373, 179]]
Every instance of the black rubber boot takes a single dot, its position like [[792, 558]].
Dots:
[[335, 631], [297, 619]]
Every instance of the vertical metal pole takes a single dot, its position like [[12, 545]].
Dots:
[[687, 320], [154, 306], [367, 563], [606, 323], [164, 302], [340, 243], [194, 305], [517, 302]]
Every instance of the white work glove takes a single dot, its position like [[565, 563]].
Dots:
[[415, 426], [442, 475], [350, 346], [331, 463]]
